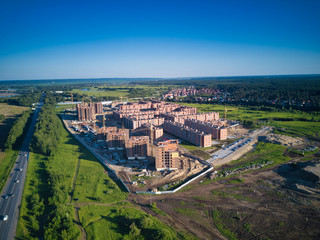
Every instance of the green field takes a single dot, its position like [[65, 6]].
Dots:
[[124, 91], [294, 123], [122, 222]]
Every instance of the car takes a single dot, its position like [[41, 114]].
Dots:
[[24, 155], [5, 196], [11, 195], [16, 181], [4, 217], [21, 169]]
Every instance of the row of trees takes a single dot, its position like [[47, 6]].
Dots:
[[46, 136], [49, 207], [17, 130]]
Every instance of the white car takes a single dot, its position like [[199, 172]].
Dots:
[[4, 217], [16, 181]]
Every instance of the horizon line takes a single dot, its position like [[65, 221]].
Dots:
[[159, 78]]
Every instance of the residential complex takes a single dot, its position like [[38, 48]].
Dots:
[[145, 123]]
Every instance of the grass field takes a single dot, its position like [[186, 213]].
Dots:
[[122, 222], [121, 90]]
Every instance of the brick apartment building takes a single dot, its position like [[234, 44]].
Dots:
[[166, 155], [217, 132], [137, 147], [102, 132], [87, 112], [133, 122], [191, 135], [176, 117], [117, 139], [153, 131]]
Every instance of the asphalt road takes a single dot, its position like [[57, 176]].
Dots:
[[236, 146], [11, 205]]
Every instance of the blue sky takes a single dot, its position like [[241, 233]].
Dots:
[[151, 38]]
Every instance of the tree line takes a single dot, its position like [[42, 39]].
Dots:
[[46, 135], [17, 130]]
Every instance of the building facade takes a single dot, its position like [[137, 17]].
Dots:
[[186, 133], [137, 147], [166, 155]]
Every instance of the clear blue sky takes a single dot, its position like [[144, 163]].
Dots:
[[158, 38]]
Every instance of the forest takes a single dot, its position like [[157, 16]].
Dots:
[[296, 92]]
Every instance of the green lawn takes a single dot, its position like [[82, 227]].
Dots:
[[93, 183]]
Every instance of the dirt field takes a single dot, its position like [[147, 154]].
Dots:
[[265, 204]]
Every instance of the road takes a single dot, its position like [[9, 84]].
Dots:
[[14, 189], [237, 146]]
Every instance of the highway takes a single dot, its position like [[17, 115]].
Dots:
[[12, 192]]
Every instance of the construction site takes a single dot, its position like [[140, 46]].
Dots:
[[140, 140]]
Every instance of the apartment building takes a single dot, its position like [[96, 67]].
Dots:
[[101, 132], [217, 132], [176, 117], [154, 132], [166, 155], [137, 147], [133, 122], [191, 135], [117, 139], [87, 112]]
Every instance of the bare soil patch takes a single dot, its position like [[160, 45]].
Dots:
[[263, 205]]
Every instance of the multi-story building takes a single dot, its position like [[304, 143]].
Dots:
[[101, 132], [191, 135], [137, 147], [117, 139], [177, 117], [133, 122], [154, 132], [87, 112], [166, 155], [154, 107], [213, 128]]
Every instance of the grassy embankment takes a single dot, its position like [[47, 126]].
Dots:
[[103, 210], [7, 157]]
